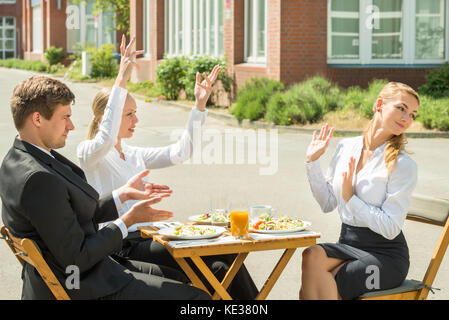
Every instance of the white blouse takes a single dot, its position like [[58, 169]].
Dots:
[[101, 162], [380, 201]]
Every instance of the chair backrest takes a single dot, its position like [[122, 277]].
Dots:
[[26, 250], [429, 209], [433, 211]]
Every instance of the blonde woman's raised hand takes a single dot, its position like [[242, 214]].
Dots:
[[204, 89], [319, 143], [347, 190], [127, 61]]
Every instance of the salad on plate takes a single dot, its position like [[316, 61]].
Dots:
[[267, 224], [192, 232]]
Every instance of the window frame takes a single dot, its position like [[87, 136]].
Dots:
[[253, 58], [195, 39], [82, 7], [3, 38], [409, 38], [147, 28]]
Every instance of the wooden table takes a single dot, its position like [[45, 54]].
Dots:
[[241, 248]]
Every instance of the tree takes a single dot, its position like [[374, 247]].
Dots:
[[120, 7]]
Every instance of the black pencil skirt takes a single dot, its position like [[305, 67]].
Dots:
[[372, 261]]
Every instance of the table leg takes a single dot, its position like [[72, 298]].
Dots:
[[235, 267], [274, 276], [191, 274], [211, 278]]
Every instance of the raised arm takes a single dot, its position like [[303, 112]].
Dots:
[[320, 185], [89, 152], [182, 150]]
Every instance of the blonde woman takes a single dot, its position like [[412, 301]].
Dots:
[[370, 181], [107, 161]]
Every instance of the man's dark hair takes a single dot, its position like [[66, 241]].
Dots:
[[38, 94]]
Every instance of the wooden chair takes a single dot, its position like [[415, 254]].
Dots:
[[26, 250], [426, 210]]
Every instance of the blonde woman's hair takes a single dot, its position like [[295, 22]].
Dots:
[[98, 107], [396, 143]]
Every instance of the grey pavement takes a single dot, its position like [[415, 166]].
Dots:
[[197, 187]]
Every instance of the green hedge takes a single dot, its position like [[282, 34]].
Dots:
[[309, 101], [434, 113], [253, 97], [178, 73], [36, 65], [304, 102], [437, 83], [170, 74]]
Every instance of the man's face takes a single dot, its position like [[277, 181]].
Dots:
[[53, 132]]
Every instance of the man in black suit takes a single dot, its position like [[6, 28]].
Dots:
[[46, 198]]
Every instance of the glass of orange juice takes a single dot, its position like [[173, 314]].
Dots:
[[239, 224]]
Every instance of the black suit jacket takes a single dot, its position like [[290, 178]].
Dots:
[[49, 201]]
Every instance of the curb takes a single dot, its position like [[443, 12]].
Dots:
[[230, 120]]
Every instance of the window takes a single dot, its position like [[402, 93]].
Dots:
[[146, 28], [88, 28], [255, 31], [38, 40], [7, 37], [430, 29], [7, 1], [194, 27], [387, 31]]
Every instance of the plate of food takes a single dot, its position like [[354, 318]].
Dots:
[[219, 217], [283, 224], [192, 232]]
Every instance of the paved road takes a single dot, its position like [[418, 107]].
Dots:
[[198, 186]]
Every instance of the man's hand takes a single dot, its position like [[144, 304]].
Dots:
[[137, 189], [143, 212]]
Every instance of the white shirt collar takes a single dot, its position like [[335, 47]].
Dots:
[[42, 149]]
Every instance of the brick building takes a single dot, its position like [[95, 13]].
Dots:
[[63, 24], [10, 29], [348, 41]]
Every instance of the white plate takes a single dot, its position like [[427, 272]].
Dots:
[[306, 225], [207, 221], [169, 233], [195, 218]]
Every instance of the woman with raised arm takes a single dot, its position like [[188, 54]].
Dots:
[[370, 181], [108, 161]]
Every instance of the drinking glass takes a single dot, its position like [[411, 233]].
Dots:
[[239, 224]]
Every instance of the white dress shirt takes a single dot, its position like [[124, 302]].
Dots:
[[380, 201], [101, 161]]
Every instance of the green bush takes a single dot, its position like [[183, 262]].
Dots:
[[170, 74], [304, 102], [205, 64], [103, 62], [252, 98], [54, 55], [437, 83], [434, 113], [361, 100]]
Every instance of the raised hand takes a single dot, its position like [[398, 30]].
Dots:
[[347, 190], [319, 144], [137, 189], [127, 61], [204, 89]]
